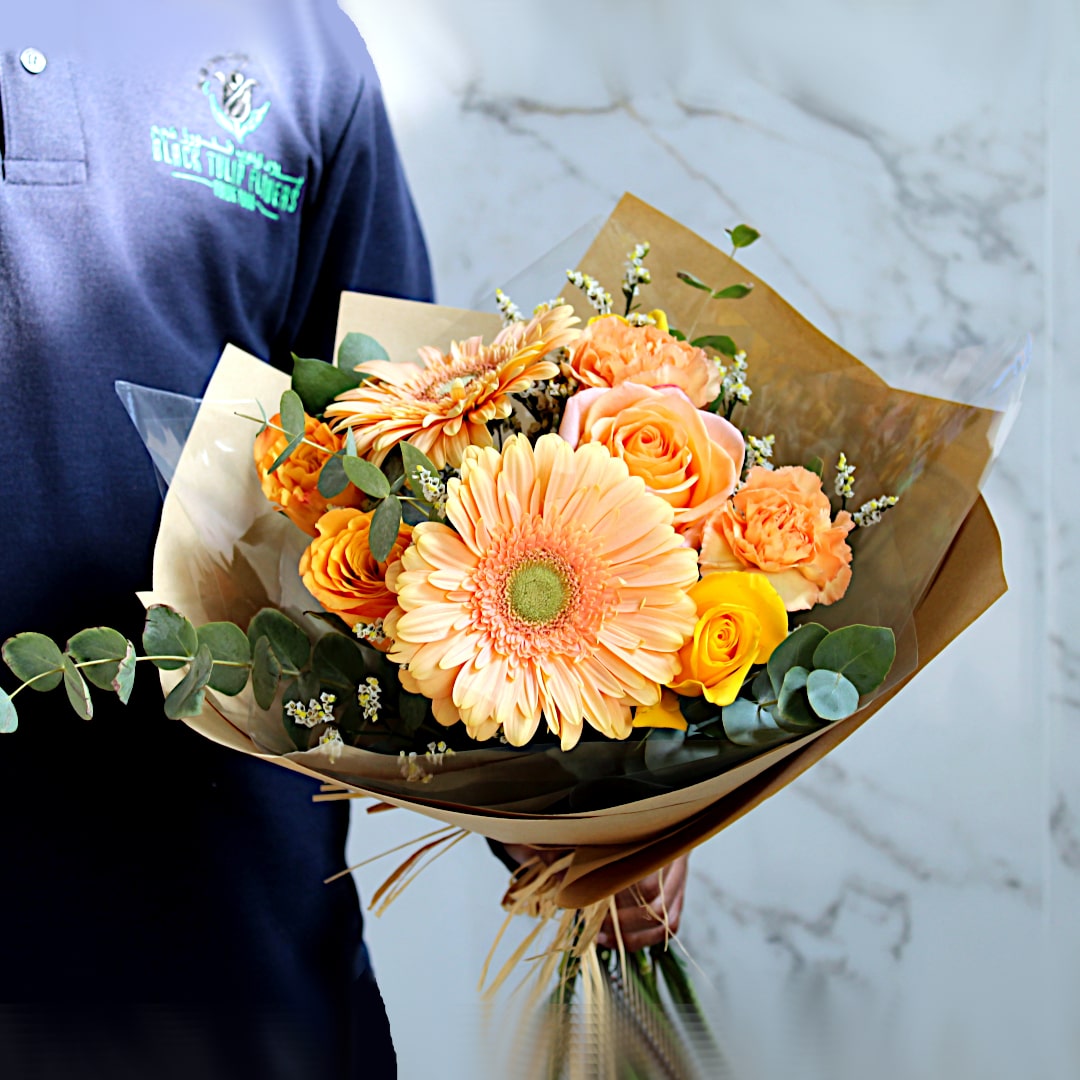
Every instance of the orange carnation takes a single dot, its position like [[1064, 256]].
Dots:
[[611, 351], [338, 569], [690, 458], [780, 523], [294, 486]]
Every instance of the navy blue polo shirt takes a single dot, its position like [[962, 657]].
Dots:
[[174, 177]]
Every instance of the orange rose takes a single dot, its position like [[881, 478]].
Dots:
[[780, 523], [338, 570], [610, 351], [691, 459], [294, 486]]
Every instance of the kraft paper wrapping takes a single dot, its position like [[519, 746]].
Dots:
[[934, 567]]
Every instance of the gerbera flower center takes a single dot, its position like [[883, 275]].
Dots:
[[538, 591]]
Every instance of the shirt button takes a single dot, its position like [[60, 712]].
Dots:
[[33, 60]]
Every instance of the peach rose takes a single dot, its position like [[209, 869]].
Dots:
[[610, 351], [741, 619], [780, 523], [690, 458], [338, 570], [294, 486]]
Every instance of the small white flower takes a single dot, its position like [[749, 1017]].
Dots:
[[371, 632], [368, 695], [870, 512], [759, 452], [331, 739], [509, 311], [593, 290], [411, 770], [317, 711], [637, 274], [436, 751], [845, 477], [432, 490]]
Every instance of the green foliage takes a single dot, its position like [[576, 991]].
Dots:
[[292, 414], [168, 633], [370, 479], [414, 710], [720, 342], [816, 466], [186, 698], [742, 236], [78, 693], [863, 654], [105, 646], [35, 657], [265, 673], [746, 723], [733, 292], [413, 460], [338, 662], [356, 349], [289, 642], [796, 650], [228, 644], [831, 696], [332, 478], [318, 383], [9, 718], [124, 682], [793, 712], [385, 525], [692, 281]]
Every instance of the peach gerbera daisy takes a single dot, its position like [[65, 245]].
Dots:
[[445, 405], [562, 594]]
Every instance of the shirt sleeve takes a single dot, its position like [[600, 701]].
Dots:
[[361, 231]]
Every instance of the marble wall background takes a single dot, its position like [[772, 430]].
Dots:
[[909, 907]]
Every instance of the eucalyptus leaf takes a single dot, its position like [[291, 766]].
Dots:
[[338, 662], [78, 693], [168, 633], [9, 718], [692, 281], [733, 292], [369, 478], [332, 478], [761, 689], [31, 655], [796, 649], [227, 644], [385, 525], [186, 697], [413, 711], [863, 654], [793, 712], [742, 236], [413, 459], [720, 342], [318, 383], [831, 696], [358, 349], [678, 335], [350, 443], [290, 449], [124, 681], [289, 642], [293, 419], [265, 673], [748, 724], [99, 643], [816, 466]]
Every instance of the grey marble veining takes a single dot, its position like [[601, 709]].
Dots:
[[908, 907]]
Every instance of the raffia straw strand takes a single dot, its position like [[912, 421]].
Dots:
[[405, 882], [390, 851]]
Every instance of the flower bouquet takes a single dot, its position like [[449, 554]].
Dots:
[[596, 581]]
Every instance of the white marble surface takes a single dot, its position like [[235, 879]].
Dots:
[[907, 909]]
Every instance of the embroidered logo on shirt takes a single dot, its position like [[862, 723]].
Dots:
[[234, 173]]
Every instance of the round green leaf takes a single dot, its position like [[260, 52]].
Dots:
[[168, 633], [265, 673], [831, 696], [293, 419], [32, 655], [124, 682], [289, 642], [318, 383], [367, 477], [793, 712], [385, 525], [733, 292], [186, 697], [748, 724], [742, 236], [338, 662], [9, 718], [863, 654], [105, 646], [227, 644], [720, 342], [412, 460], [77, 691], [358, 349], [332, 478], [287, 453], [692, 281], [796, 650]]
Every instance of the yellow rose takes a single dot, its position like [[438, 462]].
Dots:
[[294, 486], [338, 569], [741, 619]]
